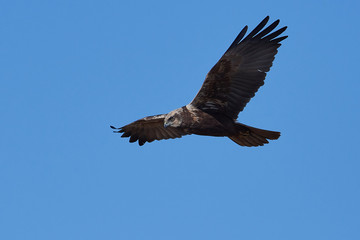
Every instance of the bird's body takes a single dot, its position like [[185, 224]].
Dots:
[[196, 121], [227, 88]]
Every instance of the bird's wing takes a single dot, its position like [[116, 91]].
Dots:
[[149, 129], [239, 73]]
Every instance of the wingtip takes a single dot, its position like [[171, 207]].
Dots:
[[265, 20]]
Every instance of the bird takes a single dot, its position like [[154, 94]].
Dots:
[[228, 87]]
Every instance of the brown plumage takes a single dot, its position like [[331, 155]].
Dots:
[[227, 88]]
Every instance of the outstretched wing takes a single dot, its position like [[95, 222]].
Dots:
[[239, 73], [149, 129]]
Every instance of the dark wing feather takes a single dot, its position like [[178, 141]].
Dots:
[[240, 72], [149, 129]]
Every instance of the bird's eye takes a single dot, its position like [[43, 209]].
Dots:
[[171, 118]]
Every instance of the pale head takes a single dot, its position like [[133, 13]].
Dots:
[[173, 118]]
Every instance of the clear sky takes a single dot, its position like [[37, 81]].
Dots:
[[69, 69]]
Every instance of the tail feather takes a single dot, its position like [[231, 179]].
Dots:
[[252, 137]]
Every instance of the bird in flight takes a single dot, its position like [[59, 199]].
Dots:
[[227, 88]]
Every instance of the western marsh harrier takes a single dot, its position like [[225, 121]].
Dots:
[[227, 88]]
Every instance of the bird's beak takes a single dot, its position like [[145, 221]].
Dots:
[[166, 125]]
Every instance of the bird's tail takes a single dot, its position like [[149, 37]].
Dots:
[[252, 137]]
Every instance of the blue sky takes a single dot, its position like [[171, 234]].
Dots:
[[69, 69]]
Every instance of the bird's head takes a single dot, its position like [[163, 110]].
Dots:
[[173, 119]]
